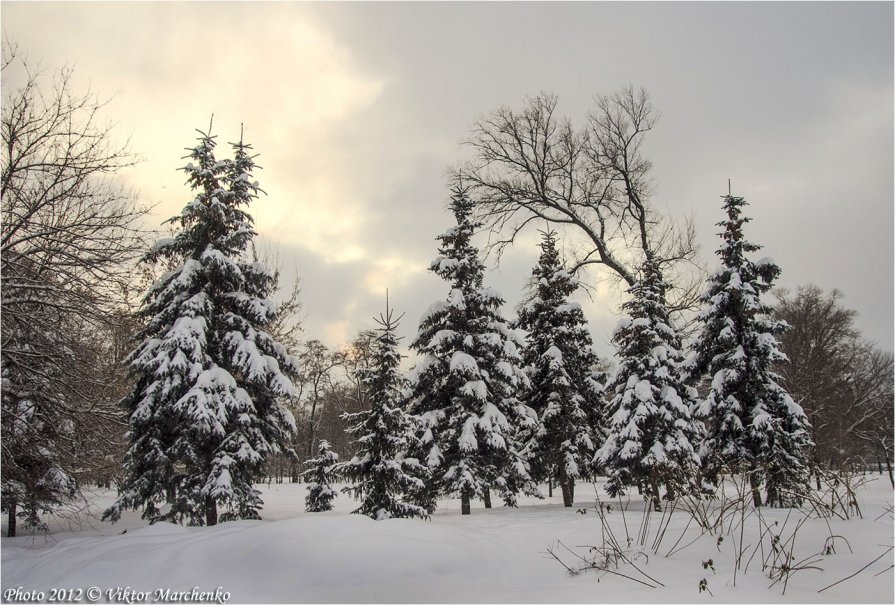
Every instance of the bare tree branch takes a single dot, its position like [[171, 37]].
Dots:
[[532, 165]]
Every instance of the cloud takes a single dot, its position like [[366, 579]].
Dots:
[[272, 67], [357, 109]]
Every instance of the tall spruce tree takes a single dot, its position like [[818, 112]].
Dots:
[[381, 474], [204, 414], [753, 425], [320, 474], [652, 439], [565, 387], [465, 387]]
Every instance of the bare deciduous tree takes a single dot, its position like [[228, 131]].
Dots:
[[843, 383], [533, 165], [69, 235], [355, 357], [63, 212], [818, 343], [871, 401], [287, 328], [317, 377]]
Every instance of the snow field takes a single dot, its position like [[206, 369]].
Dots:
[[497, 555]]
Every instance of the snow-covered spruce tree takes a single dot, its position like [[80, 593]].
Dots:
[[752, 425], [380, 472], [319, 477], [652, 439], [464, 390], [565, 388], [204, 414]]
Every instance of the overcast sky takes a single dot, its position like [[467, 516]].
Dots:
[[358, 110]]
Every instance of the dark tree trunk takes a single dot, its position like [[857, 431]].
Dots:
[[550, 487], [566, 498], [756, 494], [11, 530], [311, 435], [486, 496], [464, 504], [211, 511], [889, 466], [568, 490], [654, 489], [816, 469]]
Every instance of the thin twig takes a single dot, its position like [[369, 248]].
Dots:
[[883, 571], [888, 550]]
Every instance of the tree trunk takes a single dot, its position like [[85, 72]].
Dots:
[[486, 496], [11, 529], [654, 488], [464, 504], [756, 494], [211, 511], [816, 469], [889, 466], [566, 485], [550, 487], [311, 424], [311, 436], [566, 498]]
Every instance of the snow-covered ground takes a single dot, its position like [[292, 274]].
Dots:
[[496, 555]]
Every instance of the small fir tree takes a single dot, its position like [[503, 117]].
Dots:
[[753, 425], [319, 477], [565, 387], [205, 414], [652, 439], [379, 470], [465, 387]]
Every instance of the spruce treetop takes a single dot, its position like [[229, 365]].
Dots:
[[458, 261]]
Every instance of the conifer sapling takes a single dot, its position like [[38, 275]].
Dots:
[[319, 476], [381, 474]]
